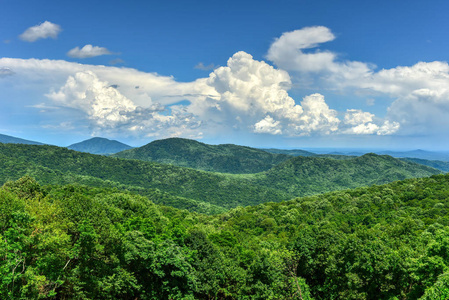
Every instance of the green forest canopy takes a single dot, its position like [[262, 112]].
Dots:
[[380, 242], [226, 158], [298, 176]]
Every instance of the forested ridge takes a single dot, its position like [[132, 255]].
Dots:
[[225, 158], [77, 242], [298, 176], [81, 226], [58, 165], [437, 164], [99, 145]]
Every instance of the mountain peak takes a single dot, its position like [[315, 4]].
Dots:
[[226, 158], [99, 145]]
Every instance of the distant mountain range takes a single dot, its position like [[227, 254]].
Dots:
[[294, 152], [298, 176], [98, 145], [7, 139], [437, 164], [418, 153], [422, 154], [226, 158]]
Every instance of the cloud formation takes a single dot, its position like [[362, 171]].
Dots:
[[42, 31], [203, 67], [6, 72], [102, 103], [252, 95], [88, 51], [419, 93], [54, 73], [268, 125], [363, 123], [117, 61], [108, 110], [286, 51], [246, 95]]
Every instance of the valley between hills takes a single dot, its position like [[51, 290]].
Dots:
[[180, 219]]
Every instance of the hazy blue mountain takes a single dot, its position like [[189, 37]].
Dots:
[[7, 139], [422, 154], [418, 153], [437, 164], [226, 158], [98, 145], [292, 152]]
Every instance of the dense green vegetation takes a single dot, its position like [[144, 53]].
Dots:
[[226, 158], [312, 175], [56, 165], [292, 152], [97, 227], [437, 164], [74, 242], [99, 145], [296, 177]]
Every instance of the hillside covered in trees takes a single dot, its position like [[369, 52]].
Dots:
[[296, 177], [74, 242], [226, 158], [75, 225]]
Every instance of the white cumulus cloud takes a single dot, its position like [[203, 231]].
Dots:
[[102, 103], [317, 117], [42, 31], [356, 117], [108, 110], [246, 95], [388, 128], [268, 125], [287, 53], [88, 51], [419, 93], [251, 94], [361, 122]]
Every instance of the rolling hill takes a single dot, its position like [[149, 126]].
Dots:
[[7, 139], [312, 175], [57, 165], [298, 176], [421, 154], [98, 145], [292, 152], [226, 158], [437, 164]]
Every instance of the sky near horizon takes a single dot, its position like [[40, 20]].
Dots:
[[285, 74]]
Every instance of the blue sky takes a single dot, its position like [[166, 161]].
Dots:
[[259, 73]]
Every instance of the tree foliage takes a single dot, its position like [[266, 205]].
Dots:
[[380, 242], [201, 191], [227, 158]]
